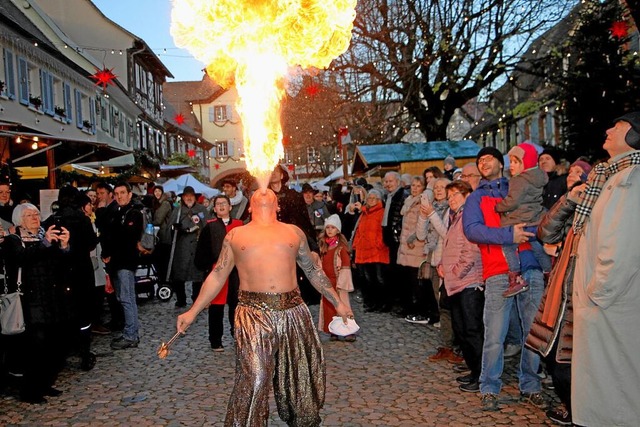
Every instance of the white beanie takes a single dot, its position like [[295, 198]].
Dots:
[[335, 221]]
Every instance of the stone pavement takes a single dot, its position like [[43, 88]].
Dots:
[[383, 379]]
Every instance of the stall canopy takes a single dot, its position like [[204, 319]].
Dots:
[[177, 186]]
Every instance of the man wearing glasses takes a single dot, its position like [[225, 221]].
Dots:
[[207, 253], [482, 226]]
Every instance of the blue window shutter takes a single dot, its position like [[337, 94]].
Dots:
[[68, 103], [78, 97], [47, 93], [212, 117], [92, 114], [229, 112], [9, 75], [43, 88], [23, 81], [230, 146]]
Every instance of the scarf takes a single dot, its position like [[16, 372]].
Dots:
[[28, 236], [332, 241], [597, 178], [408, 203], [387, 206], [236, 199]]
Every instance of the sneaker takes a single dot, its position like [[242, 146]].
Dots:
[[511, 350], [416, 318], [559, 416], [444, 353], [489, 402], [535, 399], [472, 387], [466, 379], [350, 338], [123, 343], [217, 348], [461, 368], [334, 337], [517, 285]]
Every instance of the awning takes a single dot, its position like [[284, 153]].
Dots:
[[67, 150]]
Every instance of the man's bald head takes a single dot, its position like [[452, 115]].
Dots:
[[264, 198]]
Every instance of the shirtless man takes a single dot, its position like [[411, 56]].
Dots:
[[275, 336]]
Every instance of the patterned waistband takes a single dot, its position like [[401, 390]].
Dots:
[[270, 301]]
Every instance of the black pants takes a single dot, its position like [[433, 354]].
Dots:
[[181, 294], [373, 289], [466, 318], [560, 375]]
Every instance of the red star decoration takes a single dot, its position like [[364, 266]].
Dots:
[[191, 153], [291, 168], [179, 119], [619, 29], [104, 77], [312, 90], [217, 166]]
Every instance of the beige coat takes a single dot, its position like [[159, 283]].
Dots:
[[410, 257], [606, 297]]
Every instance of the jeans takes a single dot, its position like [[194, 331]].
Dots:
[[497, 310], [125, 286], [466, 318], [511, 255]]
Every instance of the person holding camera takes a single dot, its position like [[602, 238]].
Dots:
[[36, 258]]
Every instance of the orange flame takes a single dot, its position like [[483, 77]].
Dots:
[[253, 44]]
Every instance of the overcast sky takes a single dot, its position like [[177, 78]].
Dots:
[[150, 20]]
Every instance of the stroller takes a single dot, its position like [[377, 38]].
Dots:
[[148, 283]]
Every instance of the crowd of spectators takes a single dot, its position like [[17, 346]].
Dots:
[[466, 250]]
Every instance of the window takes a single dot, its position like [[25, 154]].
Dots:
[[220, 113], [27, 75], [312, 155], [9, 89], [222, 149], [85, 112], [47, 92]]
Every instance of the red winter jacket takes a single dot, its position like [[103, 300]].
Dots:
[[367, 242]]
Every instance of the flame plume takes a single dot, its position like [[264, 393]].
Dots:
[[253, 44]]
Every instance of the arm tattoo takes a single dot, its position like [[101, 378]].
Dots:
[[223, 259], [316, 276]]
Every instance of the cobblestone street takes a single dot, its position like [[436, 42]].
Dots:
[[383, 379]]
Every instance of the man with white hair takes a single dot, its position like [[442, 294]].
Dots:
[[605, 368], [391, 229]]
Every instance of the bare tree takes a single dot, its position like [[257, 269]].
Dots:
[[416, 61]]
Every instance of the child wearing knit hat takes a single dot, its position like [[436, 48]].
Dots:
[[336, 263], [523, 205]]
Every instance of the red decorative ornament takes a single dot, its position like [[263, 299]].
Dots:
[[619, 29], [217, 166], [291, 168], [104, 77], [179, 119], [191, 153], [312, 90]]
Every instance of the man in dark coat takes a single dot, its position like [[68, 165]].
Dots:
[[293, 210], [122, 253], [391, 229], [187, 221], [80, 275]]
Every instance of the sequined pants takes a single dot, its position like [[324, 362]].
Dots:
[[276, 341]]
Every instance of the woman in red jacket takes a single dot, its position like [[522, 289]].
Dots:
[[372, 255]]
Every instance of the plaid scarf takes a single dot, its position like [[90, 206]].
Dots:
[[596, 180]]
